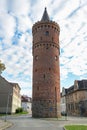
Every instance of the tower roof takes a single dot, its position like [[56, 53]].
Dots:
[[45, 16]]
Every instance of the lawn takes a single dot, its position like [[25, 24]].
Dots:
[[76, 127], [20, 113]]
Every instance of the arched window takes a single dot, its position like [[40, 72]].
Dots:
[[56, 58], [47, 33], [36, 57], [44, 76]]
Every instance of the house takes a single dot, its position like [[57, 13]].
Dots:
[[26, 103], [63, 101], [10, 98], [76, 98]]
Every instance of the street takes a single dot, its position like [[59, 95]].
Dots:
[[26, 122]]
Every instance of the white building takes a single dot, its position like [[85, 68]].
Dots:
[[63, 101], [26, 103]]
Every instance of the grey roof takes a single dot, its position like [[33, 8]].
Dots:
[[82, 84], [70, 89], [45, 16]]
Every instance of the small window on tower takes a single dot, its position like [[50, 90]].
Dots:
[[36, 57], [47, 33], [37, 87], [44, 76], [56, 58], [35, 70], [49, 69]]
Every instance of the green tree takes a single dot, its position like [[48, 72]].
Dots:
[[2, 67]]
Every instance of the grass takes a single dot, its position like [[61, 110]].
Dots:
[[24, 112], [76, 127], [20, 113]]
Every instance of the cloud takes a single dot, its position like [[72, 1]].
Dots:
[[7, 27], [24, 24], [3, 6], [16, 20], [19, 7]]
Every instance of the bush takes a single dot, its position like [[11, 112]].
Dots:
[[63, 113], [19, 110]]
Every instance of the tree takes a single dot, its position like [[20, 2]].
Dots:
[[2, 67]]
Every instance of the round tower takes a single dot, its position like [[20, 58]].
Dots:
[[46, 72]]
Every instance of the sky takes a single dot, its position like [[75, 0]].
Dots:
[[16, 20]]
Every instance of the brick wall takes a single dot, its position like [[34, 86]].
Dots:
[[46, 72]]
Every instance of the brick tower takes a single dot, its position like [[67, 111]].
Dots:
[[46, 72]]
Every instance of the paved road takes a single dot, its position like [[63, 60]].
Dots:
[[28, 123]]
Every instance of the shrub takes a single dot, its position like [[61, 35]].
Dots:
[[19, 110]]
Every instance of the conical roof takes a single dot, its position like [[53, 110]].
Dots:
[[45, 16]]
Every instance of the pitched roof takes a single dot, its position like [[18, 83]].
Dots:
[[5, 83], [45, 16], [70, 89], [82, 84], [25, 98]]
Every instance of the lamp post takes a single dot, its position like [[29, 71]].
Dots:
[[7, 106]]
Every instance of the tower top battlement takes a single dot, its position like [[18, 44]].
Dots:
[[45, 20]]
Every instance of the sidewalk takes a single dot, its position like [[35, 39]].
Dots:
[[4, 125]]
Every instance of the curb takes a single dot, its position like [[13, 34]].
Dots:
[[64, 128], [6, 125]]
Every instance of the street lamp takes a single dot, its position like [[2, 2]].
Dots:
[[7, 106]]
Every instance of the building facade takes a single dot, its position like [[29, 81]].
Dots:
[[16, 97], [26, 103], [63, 101], [76, 98], [46, 71], [10, 98]]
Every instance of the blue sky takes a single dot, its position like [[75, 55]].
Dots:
[[16, 20]]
